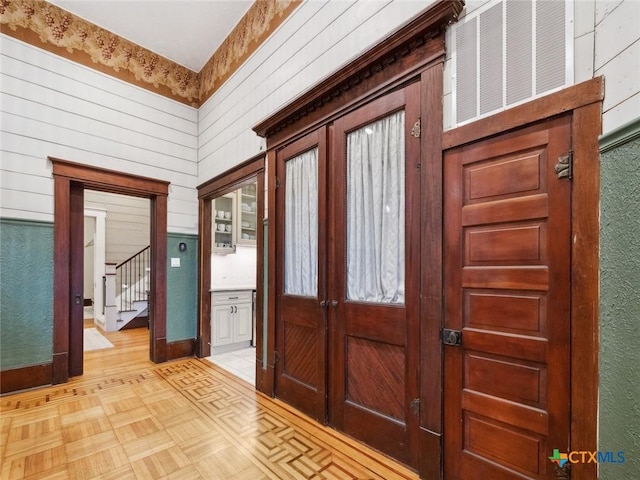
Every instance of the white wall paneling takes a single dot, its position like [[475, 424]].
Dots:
[[51, 106], [617, 58], [313, 42], [128, 223]]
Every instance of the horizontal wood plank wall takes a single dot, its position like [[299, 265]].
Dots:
[[616, 40], [127, 223], [317, 39], [54, 107]]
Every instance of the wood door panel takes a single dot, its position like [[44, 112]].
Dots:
[[510, 312], [520, 277], [375, 373], [524, 385], [505, 245], [371, 323], [487, 438], [300, 354], [505, 343], [503, 177], [507, 277], [521, 416], [516, 209], [363, 424]]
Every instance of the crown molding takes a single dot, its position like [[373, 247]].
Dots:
[[55, 30], [391, 50]]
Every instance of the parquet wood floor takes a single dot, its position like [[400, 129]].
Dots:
[[127, 418]]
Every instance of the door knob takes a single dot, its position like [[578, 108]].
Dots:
[[334, 303], [323, 304]]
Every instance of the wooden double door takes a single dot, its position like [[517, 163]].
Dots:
[[349, 325], [347, 309]]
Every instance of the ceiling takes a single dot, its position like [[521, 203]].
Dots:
[[187, 32]]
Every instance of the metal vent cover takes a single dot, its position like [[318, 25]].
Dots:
[[508, 52]]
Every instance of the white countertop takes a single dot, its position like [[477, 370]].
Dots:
[[228, 288]]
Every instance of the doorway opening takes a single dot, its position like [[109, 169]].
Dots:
[[70, 182], [230, 327], [117, 278]]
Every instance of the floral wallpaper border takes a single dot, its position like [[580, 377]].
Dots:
[[58, 31]]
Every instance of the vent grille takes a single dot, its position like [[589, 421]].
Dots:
[[508, 52]]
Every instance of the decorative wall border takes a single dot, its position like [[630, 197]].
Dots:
[[55, 30]]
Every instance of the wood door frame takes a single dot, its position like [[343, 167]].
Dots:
[[70, 181], [584, 101], [247, 172]]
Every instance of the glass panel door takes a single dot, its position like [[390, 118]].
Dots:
[[375, 211], [300, 371], [301, 225]]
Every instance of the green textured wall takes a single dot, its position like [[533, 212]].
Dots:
[[182, 288], [619, 420], [26, 293]]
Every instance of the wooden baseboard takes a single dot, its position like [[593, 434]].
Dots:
[[181, 349], [24, 378]]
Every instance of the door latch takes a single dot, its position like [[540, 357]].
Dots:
[[451, 337], [563, 473]]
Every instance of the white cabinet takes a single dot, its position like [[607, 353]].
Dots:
[[231, 317]]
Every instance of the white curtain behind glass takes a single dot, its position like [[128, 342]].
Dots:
[[301, 225], [375, 211]]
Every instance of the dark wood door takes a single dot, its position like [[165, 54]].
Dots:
[[374, 259], [507, 287], [300, 373]]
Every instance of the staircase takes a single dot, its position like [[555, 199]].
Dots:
[[128, 306]]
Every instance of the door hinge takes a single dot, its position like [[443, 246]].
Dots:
[[564, 167], [415, 406], [564, 472], [417, 128], [276, 357]]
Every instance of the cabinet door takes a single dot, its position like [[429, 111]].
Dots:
[[224, 224], [222, 320], [247, 210], [242, 320]]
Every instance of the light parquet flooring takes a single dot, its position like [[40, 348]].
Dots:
[[187, 419]]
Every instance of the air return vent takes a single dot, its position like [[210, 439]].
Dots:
[[508, 52]]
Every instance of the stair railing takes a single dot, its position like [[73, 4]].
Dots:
[[133, 278]]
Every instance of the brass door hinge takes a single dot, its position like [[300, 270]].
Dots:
[[564, 167], [416, 131], [415, 406]]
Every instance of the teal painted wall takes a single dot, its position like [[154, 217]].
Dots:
[[619, 420], [182, 288], [26, 293]]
